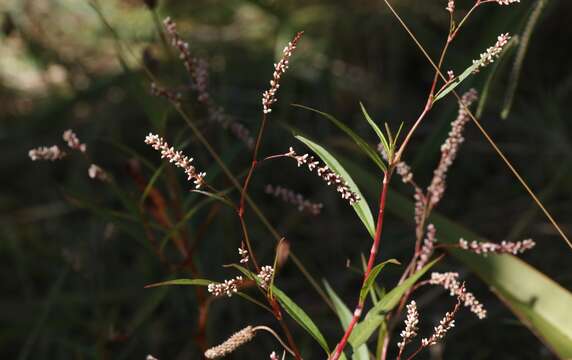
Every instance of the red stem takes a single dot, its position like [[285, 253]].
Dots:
[[372, 255]]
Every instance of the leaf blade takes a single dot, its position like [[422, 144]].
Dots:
[[180, 282], [376, 314], [368, 283], [345, 316], [301, 317], [361, 143], [361, 207]]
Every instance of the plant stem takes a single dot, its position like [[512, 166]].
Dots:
[[372, 255], [252, 165]]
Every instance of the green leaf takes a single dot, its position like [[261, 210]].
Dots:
[[300, 317], [181, 282], [345, 316], [217, 196], [376, 315], [188, 215], [364, 145], [372, 276], [539, 302], [376, 129], [249, 274], [456, 82], [361, 207]]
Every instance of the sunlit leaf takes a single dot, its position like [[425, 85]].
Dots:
[[364, 145], [456, 82], [361, 207]]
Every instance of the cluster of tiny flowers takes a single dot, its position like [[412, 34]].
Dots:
[[446, 324], [450, 282], [202, 80], [493, 52], [274, 356], [230, 345], [428, 246], [73, 142], [269, 96], [265, 276], [507, 2], [243, 255], [177, 158], [420, 205], [450, 75], [198, 70], [450, 6], [505, 247], [51, 153], [450, 148], [411, 327], [228, 287], [180, 45], [329, 176], [227, 122], [95, 172], [167, 94], [404, 171], [293, 198]]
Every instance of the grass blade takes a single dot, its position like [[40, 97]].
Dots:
[[538, 9]]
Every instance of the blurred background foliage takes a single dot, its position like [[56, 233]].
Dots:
[[76, 253]]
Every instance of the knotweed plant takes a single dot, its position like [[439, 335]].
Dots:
[[256, 282]]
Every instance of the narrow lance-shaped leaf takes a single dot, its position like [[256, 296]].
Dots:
[[456, 82], [361, 207], [376, 128], [181, 282], [300, 317], [364, 145], [345, 316], [376, 314], [368, 283]]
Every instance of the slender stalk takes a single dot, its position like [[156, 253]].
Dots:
[[289, 338], [253, 164], [247, 242], [372, 255], [485, 133]]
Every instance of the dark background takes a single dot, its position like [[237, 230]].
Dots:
[[75, 252]]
